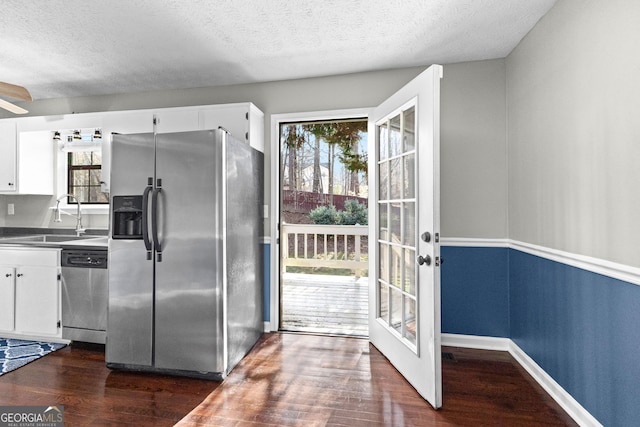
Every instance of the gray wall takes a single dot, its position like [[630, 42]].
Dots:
[[573, 96], [473, 150], [473, 154]]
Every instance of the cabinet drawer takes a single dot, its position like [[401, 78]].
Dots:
[[30, 257]]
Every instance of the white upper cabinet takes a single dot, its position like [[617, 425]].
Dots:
[[244, 121], [8, 157], [35, 163], [27, 161]]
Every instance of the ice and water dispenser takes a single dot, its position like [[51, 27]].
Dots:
[[127, 217]]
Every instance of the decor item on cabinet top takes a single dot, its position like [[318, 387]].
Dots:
[[77, 139]]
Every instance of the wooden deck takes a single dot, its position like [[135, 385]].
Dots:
[[336, 305]]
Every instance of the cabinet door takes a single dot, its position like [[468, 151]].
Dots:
[[177, 120], [120, 122], [8, 157], [234, 118], [37, 300], [7, 298], [35, 157]]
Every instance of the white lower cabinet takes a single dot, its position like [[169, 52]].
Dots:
[[30, 292], [7, 298]]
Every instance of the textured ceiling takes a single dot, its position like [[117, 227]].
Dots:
[[66, 48]]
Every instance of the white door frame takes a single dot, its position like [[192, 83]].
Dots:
[[276, 120]]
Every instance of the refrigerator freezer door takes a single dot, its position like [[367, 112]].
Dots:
[[189, 279], [130, 314]]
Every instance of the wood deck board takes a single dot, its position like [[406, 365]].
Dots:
[[324, 304]]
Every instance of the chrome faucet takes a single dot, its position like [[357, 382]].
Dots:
[[79, 229]]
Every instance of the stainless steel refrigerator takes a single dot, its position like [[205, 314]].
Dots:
[[185, 257]]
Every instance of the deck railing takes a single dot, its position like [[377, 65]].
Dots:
[[332, 246]]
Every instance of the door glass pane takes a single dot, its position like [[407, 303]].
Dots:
[[396, 266], [383, 137], [409, 223], [409, 129], [383, 221], [395, 174], [410, 272], [383, 273], [410, 319], [395, 310], [383, 193], [394, 222], [395, 136], [409, 180], [383, 298]]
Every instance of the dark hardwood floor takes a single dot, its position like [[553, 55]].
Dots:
[[288, 379]]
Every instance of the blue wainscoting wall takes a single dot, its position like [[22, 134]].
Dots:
[[580, 327], [583, 329], [475, 291]]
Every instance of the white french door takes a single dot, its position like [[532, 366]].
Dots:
[[404, 174]]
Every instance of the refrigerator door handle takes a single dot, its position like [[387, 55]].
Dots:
[[145, 220], [154, 223]]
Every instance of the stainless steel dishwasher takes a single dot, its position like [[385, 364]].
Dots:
[[84, 295]]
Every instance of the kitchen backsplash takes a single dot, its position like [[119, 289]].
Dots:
[[36, 211]]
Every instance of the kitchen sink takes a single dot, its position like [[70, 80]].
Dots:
[[47, 238]]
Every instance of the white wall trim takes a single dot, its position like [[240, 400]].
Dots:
[[595, 265], [576, 411], [611, 269], [474, 242]]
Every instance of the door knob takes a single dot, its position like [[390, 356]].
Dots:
[[8, 275], [424, 260], [426, 236]]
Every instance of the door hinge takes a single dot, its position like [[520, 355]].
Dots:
[[246, 116], [59, 276], [59, 324]]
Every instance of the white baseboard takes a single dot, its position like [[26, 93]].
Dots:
[[474, 341], [576, 411]]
